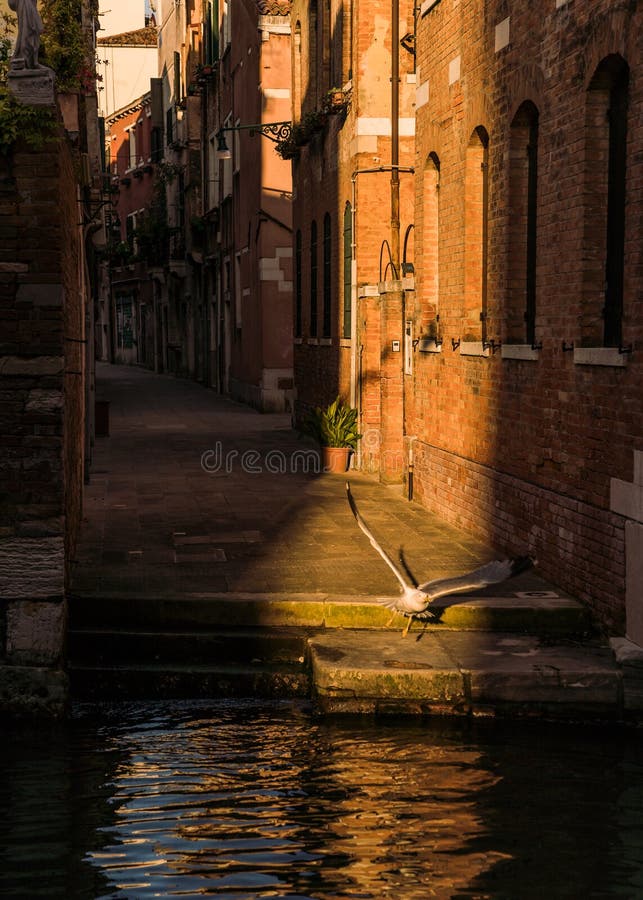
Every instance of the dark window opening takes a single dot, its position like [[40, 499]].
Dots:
[[326, 309], [348, 270], [298, 294], [313, 279], [523, 218]]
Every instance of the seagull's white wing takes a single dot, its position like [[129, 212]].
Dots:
[[362, 524], [492, 573]]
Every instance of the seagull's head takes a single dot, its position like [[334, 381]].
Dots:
[[414, 600]]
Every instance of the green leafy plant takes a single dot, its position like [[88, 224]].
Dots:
[[64, 47], [336, 101], [301, 133], [334, 426]]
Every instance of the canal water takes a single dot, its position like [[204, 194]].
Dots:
[[245, 800]]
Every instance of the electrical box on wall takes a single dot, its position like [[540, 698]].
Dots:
[[395, 346]]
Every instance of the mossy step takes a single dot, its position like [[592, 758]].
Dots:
[[541, 614]]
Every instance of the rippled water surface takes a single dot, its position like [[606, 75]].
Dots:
[[254, 801]]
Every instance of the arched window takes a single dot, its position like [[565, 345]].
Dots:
[[313, 279], [431, 238], [298, 293], [523, 207], [476, 226], [605, 186], [326, 309], [348, 271]]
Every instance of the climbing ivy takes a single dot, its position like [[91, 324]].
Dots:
[[63, 45]]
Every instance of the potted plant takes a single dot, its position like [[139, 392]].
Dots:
[[336, 101], [335, 430]]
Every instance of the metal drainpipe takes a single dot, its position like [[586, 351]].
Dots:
[[355, 383], [395, 136]]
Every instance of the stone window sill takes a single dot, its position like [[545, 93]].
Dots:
[[312, 342], [518, 351], [344, 342], [299, 340], [428, 345], [326, 342], [473, 348], [599, 356]]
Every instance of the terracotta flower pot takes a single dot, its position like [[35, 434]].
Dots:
[[336, 459]]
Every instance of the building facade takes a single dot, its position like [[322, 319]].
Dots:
[[353, 151], [526, 423], [247, 203], [127, 324], [495, 357]]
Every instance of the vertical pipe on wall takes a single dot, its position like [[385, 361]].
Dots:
[[395, 136]]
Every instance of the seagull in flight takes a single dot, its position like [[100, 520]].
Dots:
[[415, 599]]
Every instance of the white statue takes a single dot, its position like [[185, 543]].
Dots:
[[30, 28]]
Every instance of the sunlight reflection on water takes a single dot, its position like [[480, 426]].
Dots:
[[243, 800]]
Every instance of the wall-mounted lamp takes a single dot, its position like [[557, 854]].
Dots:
[[491, 345], [274, 131], [455, 343], [568, 347], [223, 151]]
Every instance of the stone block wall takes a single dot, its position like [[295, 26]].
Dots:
[[41, 420]]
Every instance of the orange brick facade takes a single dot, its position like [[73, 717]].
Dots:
[[342, 209], [521, 440]]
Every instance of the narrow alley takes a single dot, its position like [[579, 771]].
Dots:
[[217, 560]]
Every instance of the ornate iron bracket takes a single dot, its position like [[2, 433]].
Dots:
[[274, 131]]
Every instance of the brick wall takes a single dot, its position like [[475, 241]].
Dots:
[[41, 420], [354, 53], [522, 444]]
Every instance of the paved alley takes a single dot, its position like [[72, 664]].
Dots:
[[192, 493]]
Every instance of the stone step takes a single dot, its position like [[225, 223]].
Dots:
[[536, 612], [187, 681], [465, 673], [252, 646]]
